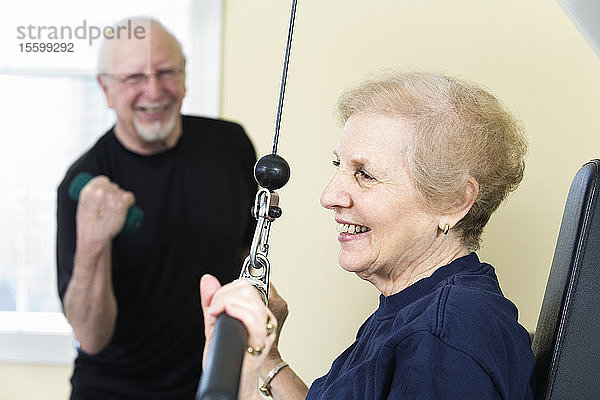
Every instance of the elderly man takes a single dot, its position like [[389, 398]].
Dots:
[[132, 298]]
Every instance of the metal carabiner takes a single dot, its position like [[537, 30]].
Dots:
[[256, 268]]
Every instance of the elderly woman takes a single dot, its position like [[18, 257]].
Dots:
[[422, 162]]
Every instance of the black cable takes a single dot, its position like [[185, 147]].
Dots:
[[286, 62]]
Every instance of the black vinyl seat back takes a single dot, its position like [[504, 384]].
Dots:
[[566, 342]]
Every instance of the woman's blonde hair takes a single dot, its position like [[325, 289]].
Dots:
[[460, 130]]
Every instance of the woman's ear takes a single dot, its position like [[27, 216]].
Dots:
[[461, 209]]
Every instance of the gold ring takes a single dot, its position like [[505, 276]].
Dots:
[[270, 328], [255, 350]]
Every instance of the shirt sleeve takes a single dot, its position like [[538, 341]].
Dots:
[[65, 236], [429, 368]]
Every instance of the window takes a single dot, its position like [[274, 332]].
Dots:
[[53, 110]]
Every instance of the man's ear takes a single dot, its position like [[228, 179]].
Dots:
[[102, 82], [461, 209]]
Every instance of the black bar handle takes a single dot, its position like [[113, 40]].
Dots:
[[221, 376]]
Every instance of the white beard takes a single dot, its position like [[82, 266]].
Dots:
[[156, 131]]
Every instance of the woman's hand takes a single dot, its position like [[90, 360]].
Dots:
[[242, 301], [279, 308]]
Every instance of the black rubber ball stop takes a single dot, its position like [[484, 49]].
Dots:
[[272, 172]]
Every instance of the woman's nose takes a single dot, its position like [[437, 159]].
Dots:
[[336, 193]]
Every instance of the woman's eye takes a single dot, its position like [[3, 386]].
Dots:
[[363, 174], [336, 163]]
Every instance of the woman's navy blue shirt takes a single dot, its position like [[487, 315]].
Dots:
[[450, 336]]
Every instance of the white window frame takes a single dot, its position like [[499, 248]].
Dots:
[[47, 337]]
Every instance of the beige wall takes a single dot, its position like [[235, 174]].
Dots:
[[527, 52], [29, 382]]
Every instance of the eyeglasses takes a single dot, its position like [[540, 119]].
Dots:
[[132, 80]]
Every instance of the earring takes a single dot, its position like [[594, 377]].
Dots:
[[445, 229]]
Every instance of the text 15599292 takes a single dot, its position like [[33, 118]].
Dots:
[[67, 47]]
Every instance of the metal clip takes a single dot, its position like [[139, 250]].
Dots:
[[256, 268]]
